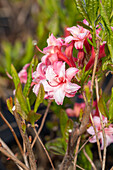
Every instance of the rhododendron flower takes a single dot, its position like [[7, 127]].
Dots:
[[76, 111], [23, 74], [79, 34], [92, 58], [52, 41], [108, 131], [58, 84], [39, 76], [54, 45]]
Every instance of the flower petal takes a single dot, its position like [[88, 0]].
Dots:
[[70, 73], [71, 87], [68, 39], [59, 95]]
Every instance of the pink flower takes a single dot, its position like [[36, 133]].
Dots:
[[79, 34], [58, 82], [23, 74], [54, 45], [76, 111], [92, 57], [108, 131], [39, 77], [52, 41]]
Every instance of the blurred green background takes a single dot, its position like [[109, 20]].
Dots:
[[22, 21]]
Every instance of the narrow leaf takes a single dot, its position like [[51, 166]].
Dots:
[[14, 74], [85, 26], [102, 107], [19, 110], [63, 121], [29, 80], [105, 17], [56, 146], [90, 42], [111, 106], [10, 104], [39, 98], [92, 8], [81, 8], [21, 99], [108, 7], [35, 62]]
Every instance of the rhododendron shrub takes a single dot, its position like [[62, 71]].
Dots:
[[70, 74]]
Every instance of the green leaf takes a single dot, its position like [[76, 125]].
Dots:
[[92, 8], [106, 64], [105, 17], [14, 74], [102, 107], [81, 8], [87, 92], [23, 127], [21, 99], [33, 117], [84, 26], [84, 75], [56, 146], [29, 80], [110, 46], [28, 103], [63, 121], [31, 96], [28, 52], [40, 97], [90, 42], [19, 110], [82, 160], [7, 48], [69, 125], [111, 106], [35, 63], [108, 28], [10, 104], [108, 7]]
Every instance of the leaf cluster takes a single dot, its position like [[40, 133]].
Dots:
[[22, 100]]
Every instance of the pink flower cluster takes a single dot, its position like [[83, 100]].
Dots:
[[108, 131], [52, 72], [58, 65]]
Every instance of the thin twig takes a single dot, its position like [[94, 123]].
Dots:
[[89, 159], [80, 167], [77, 147], [103, 131], [69, 142], [98, 143], [16, 139], [44, 149], [42, 123], [13, 158], [25, 155], [8, 150], [13, 132], [87, 141], [30, 153], [95, 64]]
